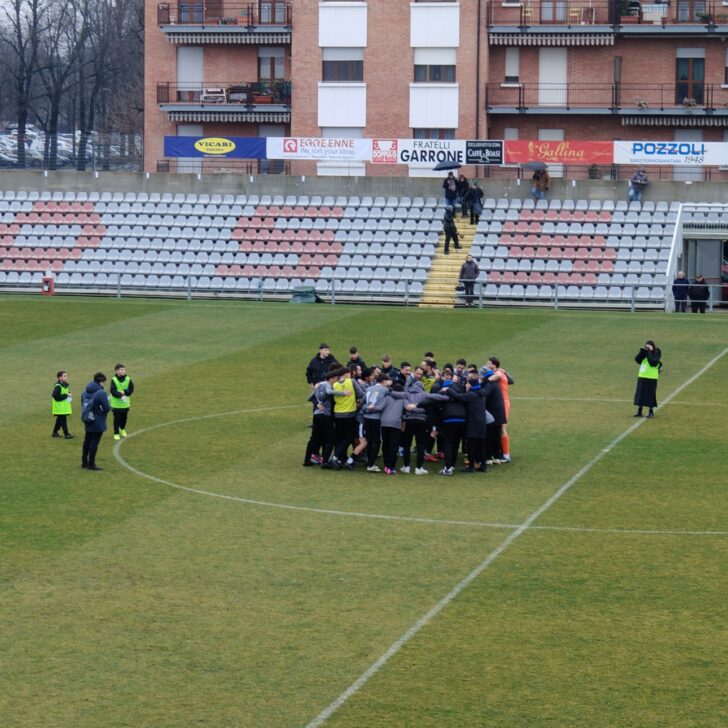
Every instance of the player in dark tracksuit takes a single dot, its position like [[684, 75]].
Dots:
[[495, 404], [475, 425], [322, 427]]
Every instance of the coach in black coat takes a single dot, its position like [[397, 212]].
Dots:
[[496, 406], [475, 422], [319, 365]]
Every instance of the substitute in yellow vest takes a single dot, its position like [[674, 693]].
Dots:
[[121, 390], [61, 405], [646, 394]]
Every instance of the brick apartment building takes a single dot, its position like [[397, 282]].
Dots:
[[551, 70]]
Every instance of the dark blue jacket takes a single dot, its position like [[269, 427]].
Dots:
[[100, 406]]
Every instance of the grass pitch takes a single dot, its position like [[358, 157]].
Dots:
[[126, 601]]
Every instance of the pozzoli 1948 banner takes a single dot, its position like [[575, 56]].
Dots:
[[671, 153]]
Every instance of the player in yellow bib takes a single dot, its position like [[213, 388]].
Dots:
[[120, 399], [61, 405]]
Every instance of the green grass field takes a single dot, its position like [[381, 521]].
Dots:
[[128, 601]]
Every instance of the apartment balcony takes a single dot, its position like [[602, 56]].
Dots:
[[258, 102], [221, 22], [693, 101], [532, 22]]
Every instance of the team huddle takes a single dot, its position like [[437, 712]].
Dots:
[[359, 411]]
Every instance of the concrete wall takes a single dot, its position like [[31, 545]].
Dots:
[[289, 185]]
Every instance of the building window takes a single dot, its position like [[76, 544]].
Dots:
[[271, 65], [343, 71], [690, 76], [342, 64], [433, 133], [435, 74], [512, 63]]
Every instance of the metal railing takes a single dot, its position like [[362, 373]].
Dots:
[[341, 291], [224, 166], [574, 13], [215, 93], [662, 96], [219, 12]]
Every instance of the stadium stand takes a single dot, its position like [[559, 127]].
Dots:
[[379, 248]]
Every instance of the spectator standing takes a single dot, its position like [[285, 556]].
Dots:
[[475, 203], [699, 294], [680, 289], [61, 405], [450, 185], [463, 187], [450, 229], [649, 358], [637, 185], [469, 273], [95, 407], [319, 365], [541, 182]]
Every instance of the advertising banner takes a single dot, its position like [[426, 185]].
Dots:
[[325, 150], [520, 152], [483, 152], [221, 147], [426, 152], [671, 153]]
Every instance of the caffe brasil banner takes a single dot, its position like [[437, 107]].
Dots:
[[520, 152], [430, 152], [671, 153]]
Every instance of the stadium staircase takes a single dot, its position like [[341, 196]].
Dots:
[[440, 288]]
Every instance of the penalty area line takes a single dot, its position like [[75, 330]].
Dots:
[[423, 621]]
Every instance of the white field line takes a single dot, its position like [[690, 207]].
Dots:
[[358, 514], [423, 621]]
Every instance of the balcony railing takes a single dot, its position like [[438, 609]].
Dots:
[[219, 12], [606, 12], [216, 93], [688, 96]]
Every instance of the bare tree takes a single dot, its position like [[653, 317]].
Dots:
[[25, 23], [60, 50]]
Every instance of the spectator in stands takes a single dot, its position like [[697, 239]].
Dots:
[[699, 294], [645, 395], [541, 182], [469, 273], [463, 188], [61, 405], [637, 185], [475, 203], [451, 231], [95, 407], [355, 358], [319, 365], [680, 289], [450, 185]]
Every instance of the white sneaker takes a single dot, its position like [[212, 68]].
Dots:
[[374, 469], [420, 471], [506, 459], [489, 461], [404, 469]]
